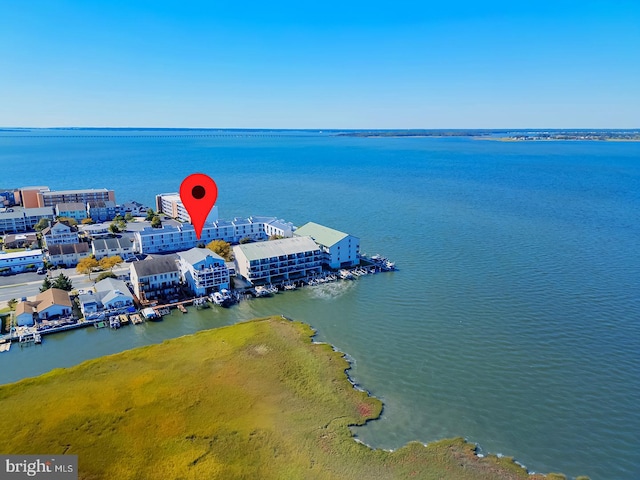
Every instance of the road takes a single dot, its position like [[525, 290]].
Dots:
[[28, 284]]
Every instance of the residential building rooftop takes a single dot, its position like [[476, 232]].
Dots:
[[323, 235], [276, 248]]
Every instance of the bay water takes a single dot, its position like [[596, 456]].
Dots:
[[514, 317]]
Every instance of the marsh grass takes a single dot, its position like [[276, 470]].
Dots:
[[253, 400]]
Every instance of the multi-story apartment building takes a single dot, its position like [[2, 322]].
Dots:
[[19, 219], [109, 247], [203, 271], [340, 250], [75, 210], [278, 261], [171, 205], [180, 237], [52, 198]]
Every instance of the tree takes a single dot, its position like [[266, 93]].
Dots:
[[107, 263], [46, 285], [42, 224], [12, 304], [128, 217], [244, 240], [275, 236], [70, 222], [150, 215], [222, 248], [87, 221], [156, 222], [86, 265], [63, 283], [113, 228], [104, 275]]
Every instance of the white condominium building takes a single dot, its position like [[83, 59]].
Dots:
[[171, 205], [278, 261]]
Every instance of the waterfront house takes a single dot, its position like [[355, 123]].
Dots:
[[109, 296], [278, 261], [155, 278], [59, 233], [68, 254], [48, 305], [203, 271], [75, 210], [17, 262], [108, 247], [340, 250], [171, 205], [134, 208]]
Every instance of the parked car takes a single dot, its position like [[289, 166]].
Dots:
[[41, 271]]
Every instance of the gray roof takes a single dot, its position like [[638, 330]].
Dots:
[[109, 243], [155, 266], [71, 206], [276, 248], [109, 284], [196, 255]]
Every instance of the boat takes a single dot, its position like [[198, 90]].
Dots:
[[182, 308], [345, 274], [100, 324], [136, 319], [37, 338], [201, 302], [262, 291], [217, 298], [114, 322], [289, 286], [150, 314], [124, 319]]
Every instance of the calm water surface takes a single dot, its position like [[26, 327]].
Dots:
[[514, 319]]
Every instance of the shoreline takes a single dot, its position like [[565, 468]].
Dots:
[[257, 338]]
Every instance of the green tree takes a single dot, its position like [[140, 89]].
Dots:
[[42, 224], [156, 222], [46, 284], [12, 304], [87, 265], [87, 221], [63, 283], [113, 228], [150, 215], [275, 236], [245, 240], [222, 248], [128, 217], [104, 275]]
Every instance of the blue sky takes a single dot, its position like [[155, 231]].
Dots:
[[492, 64]]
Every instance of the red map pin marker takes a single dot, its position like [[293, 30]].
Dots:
[[198, 193]]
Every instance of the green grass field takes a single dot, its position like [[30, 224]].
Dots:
[[254, 400]]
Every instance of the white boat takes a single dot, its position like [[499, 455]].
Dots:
[[345, 274], [389, 265], [289, 286], [217, 298], [262, 291]]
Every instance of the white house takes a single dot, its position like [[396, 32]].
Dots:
[[278, 261], [68, 254], [19, 262], [108, 247], [50, 304], [156, 277], [203, 271], [59, 233], [339, 249], [171, 205], [110, 296], [18, 219]]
